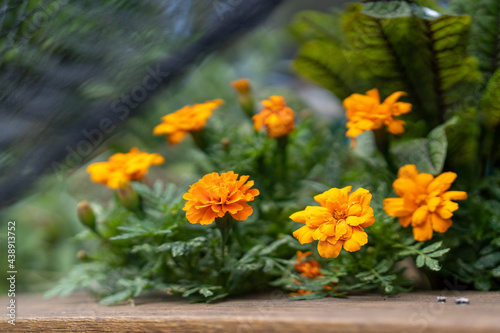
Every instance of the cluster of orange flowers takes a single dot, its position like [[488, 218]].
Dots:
[[424, 200], [122, 168]]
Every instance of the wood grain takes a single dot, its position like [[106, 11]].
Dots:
[[269, 312]]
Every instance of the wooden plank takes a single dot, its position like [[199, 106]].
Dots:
[[270, 312]]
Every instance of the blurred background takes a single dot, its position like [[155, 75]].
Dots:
[[59, 66]]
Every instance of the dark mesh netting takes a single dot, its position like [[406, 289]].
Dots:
[[72, 71]]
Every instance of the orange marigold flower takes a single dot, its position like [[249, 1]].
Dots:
[[242, 86], [190, 118], [338, 222], [122, 168], [301, 292], [278, 118], [424, 201], [308, 268], [215, 195], [364, 113]]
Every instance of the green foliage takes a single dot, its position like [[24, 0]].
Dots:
[[428, 154], [447, 62]]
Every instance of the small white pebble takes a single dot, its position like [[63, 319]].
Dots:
[[462, 300], [441, 299]]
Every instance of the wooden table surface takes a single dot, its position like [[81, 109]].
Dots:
[[269, 312]]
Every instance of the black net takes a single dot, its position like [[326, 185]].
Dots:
[[73, 70]]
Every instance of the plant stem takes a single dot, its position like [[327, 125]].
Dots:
[[382, 142], [281, 158]]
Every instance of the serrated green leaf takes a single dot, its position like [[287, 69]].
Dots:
[[116, 298], [483, 285], [496, 272], [206, 292], [438, 253], [432, 247], [420, 261], [488, 260], [433, 264]]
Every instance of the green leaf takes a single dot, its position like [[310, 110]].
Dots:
[[427, 154], [438, 253], [116, 298], [488, 260], [308, 25], [181, 248], [420, 261], [206, 292], [399, 8], [485, 34], [489, 105], [327, 63], [496, 272], [433, 264], [432, 247], [426, 57]]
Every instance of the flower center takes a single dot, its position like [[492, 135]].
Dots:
[[421, 199], [339, 215]]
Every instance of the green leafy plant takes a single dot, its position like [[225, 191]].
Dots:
[[412, 46]]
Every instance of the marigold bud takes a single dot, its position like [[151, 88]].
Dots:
[[129, 197], [82, 255], [242, 86], [245, 97], [225, 143], [86, 214]]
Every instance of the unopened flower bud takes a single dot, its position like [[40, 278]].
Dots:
[[245, 97], [129, 197], [86, 214], [225, 143], [242, 86], [82, 255]]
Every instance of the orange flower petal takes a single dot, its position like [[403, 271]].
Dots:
[[396, 207], [423, 231], [409, 170], [439, 224], [420, 216], [405, 220], [358, 239], [433, 203], [442, 182], [327, 250], [304, 234], [454, 195]]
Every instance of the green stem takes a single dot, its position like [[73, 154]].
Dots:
[[200, 140], [224, 224], [382, 142], [281, 158]]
